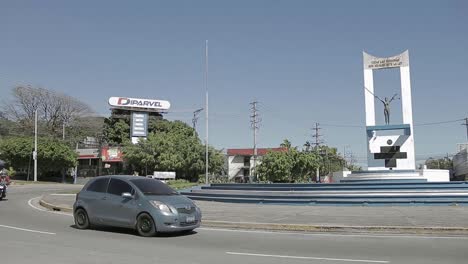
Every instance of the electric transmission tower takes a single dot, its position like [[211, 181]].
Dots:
[[466, 125], [317, 143], [195, 118], [317, 136], [255, 124]]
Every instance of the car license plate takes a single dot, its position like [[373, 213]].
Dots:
[[190, 219]]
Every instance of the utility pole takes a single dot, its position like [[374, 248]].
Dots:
[[317, 144], [254, 123], [206, 112], [35, 146], [345, 156], [466, 125], [195, 118]]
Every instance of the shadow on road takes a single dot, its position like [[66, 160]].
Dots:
[[133, 232]]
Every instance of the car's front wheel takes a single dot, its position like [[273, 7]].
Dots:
[[81, 219], [145, 225]]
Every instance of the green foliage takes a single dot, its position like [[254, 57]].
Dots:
[[276, 167], [53, 155], [16, 151], [181, 184], [172, 146], [442, 164], [116, 131], [298, 166], [11, 172]]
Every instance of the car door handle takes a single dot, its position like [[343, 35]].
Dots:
[[104, 198]]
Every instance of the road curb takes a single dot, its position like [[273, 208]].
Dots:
[[338, 229], [308, 228], [54, 207]]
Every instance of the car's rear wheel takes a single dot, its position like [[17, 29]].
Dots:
[[145, 225], [81, 219]]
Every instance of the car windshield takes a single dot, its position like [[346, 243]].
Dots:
[[153, 187]]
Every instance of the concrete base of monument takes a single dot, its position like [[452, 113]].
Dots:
[[425, 175]]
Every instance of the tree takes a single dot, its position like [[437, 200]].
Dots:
[[116, 131], [116, 128], [54, 156], [172, 146], [305, 164], [5, 125], [286, 144], [298, 166], [442, 164], [55, 110]]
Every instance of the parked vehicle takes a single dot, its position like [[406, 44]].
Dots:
[[144, 204]]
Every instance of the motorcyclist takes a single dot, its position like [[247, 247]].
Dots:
[[4, 181]]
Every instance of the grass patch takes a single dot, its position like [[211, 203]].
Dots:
[[181, 184]]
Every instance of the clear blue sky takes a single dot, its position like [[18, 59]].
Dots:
[[301, 59]]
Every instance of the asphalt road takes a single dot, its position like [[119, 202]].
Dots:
[[29, 235]]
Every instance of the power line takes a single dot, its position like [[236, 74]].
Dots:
[[438, 123], [420, 124]]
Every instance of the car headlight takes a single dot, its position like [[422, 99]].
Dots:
[[161, 206]]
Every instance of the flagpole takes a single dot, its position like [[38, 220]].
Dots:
[[206, 112]]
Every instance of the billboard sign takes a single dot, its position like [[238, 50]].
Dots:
[[111, 154], [139, 126], [136, 103]]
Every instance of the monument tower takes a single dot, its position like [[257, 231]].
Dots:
[[390, 146]]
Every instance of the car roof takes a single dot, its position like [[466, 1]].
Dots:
[[126, 177], [120, 177]]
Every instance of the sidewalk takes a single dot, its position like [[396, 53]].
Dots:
[[403, 219]]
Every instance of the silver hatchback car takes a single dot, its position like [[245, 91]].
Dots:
[[144, 204]]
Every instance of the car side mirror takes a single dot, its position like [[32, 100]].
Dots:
[[127, 195]]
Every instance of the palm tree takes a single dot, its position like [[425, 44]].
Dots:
[[286, 144]]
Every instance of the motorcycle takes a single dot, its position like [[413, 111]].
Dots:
[[2, 191]]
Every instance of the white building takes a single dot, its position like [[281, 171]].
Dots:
[[241, 161]]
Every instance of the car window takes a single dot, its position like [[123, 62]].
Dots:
[[153, 187], [99, 185], [117, 187]]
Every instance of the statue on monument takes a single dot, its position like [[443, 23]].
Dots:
[[386, 104]]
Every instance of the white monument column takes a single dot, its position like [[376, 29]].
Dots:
[[369, 96]]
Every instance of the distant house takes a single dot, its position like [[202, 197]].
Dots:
[[241, 161]]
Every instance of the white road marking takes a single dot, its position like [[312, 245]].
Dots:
[[301, 257], [27, 230], [63, 194], [45, 210], [328, 234]]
